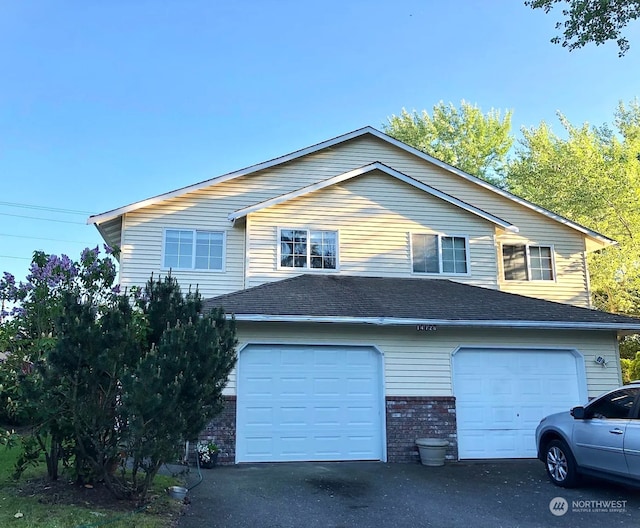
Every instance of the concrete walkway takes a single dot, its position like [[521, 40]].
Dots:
[[364, 495]]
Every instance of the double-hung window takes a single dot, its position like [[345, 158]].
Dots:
[[523, 262], [193, 249], [308, 248], [439, 254]]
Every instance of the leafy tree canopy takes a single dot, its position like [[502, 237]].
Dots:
[[591, 177], [463, 137], [595, 21]]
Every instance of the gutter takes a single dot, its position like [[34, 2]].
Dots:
[[448, 323]]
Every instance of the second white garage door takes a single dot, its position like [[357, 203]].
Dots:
[[309, 403], [501, 396]]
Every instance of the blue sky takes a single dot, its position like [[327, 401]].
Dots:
[[104, 103]]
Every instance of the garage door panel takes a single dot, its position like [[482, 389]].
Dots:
[[530, 386], [260, 387], [319, 408], [326, 386], [497, 414], [293, 416], [501, 417], [361, 416], [289, 358], [360, 387], [259, 416], [324, 416], [258, 446], [291, 386], [292, 446]]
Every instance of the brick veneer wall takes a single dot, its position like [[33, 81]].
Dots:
[[408, 418], [414, 417], [222, 431]]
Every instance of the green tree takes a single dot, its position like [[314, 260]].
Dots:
[[593, 178], [117, 381], [465, 138], [630, 368], [175, 387], [596, 21]]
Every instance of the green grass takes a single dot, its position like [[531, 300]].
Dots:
[[161, 513]]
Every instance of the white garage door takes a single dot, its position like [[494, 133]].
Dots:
[[501, 395], [309, 403]]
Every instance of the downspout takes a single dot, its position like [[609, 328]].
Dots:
[[245, 270]]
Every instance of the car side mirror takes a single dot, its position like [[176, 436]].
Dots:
[[578, 413]]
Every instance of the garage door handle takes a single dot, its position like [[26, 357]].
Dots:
[[616, 431]]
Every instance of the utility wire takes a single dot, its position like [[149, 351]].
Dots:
[[43, 219], [45, 208], [43, 238]]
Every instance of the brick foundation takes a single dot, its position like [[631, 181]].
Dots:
[[222, 431], [408, 418], [414, 417]]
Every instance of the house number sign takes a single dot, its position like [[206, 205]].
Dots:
[[426, 328]]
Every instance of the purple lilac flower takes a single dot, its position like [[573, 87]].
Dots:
[[18, 311], [8, 289]]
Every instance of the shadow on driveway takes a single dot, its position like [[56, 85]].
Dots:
[[371, 494]]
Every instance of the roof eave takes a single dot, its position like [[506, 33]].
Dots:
[[109, 215], [396, 321]]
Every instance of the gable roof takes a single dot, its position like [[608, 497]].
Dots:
[[397, 301], [115, 213], [376, 166]]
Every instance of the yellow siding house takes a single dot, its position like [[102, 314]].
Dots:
[[381, 295]]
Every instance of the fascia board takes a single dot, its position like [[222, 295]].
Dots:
[[363, 170], [391, 321], [606, 241], [108, 215], [96, 219]]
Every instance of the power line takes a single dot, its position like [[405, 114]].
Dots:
[[45, 208], [43, 238], [11, 257], [43, 219]]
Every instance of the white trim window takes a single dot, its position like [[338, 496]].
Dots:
[[523, 262], [308, 248], [439, 254], [193, 249]]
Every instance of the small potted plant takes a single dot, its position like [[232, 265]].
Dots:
[[207, 453]]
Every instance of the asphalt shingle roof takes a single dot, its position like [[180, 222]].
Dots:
[[342, 296]]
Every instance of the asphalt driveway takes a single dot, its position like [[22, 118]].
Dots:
[[505, 494]]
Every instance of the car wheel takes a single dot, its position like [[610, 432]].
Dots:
[[560, 464]]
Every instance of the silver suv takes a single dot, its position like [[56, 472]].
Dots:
[[601, 439]]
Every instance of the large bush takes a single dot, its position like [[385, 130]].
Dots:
[[109, 382]]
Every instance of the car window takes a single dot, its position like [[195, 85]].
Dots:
[[618, 404]]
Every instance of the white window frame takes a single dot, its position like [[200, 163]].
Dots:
[[528, 262], [194, 231], [308, 267], [439, 237]]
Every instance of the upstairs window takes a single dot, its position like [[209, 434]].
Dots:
[[523, 262], [306, 248], [439, 254], [193, 249]]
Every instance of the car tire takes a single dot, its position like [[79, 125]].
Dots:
[[560, 464]]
